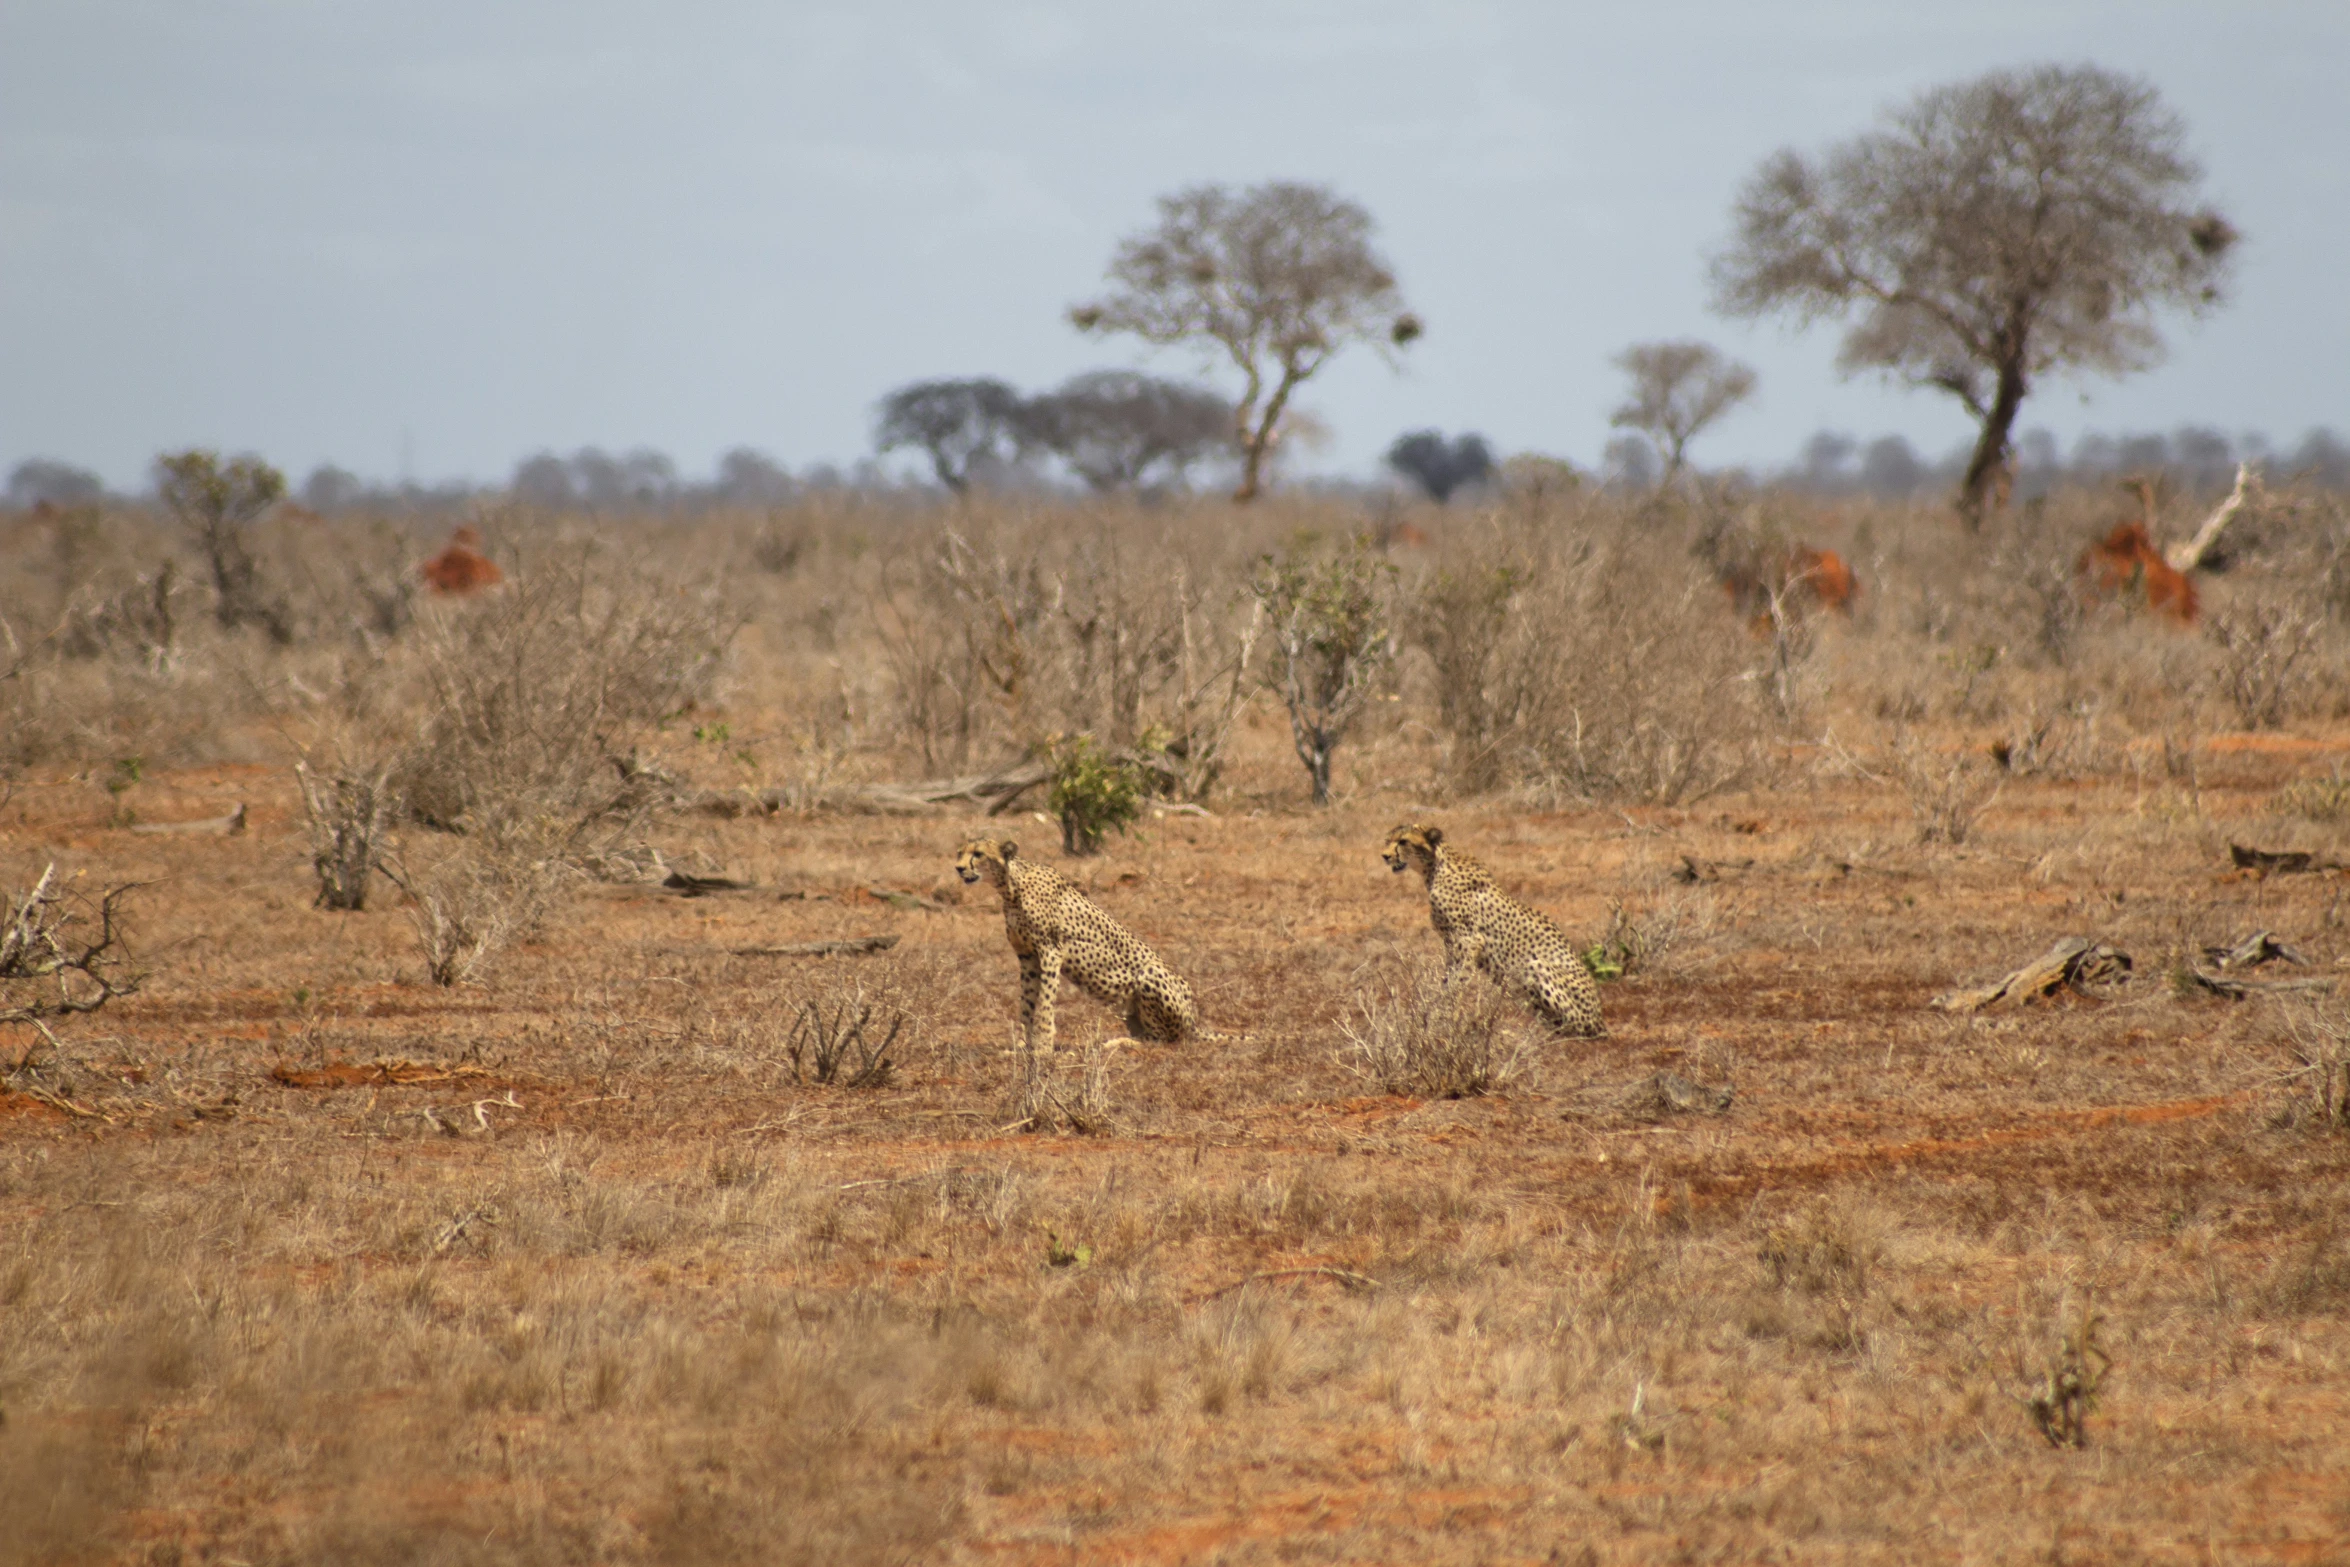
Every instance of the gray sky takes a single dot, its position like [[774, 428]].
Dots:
[[344, 231]]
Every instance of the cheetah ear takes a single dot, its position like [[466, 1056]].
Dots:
[[1434, 835], [1009, 850]]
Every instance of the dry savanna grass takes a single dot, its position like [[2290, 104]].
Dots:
[[589, 1256]]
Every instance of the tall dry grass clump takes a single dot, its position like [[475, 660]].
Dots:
[[1580, 658], [1001, 628], [1434, 1035]]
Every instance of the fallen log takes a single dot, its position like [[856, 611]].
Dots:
[[2258, 948], [2279, 862], [2233, 989], [2074, 963], [997, 791], [228, 826], [687, 885], [855, 946]]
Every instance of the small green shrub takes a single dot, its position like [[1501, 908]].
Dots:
[[1093, 792]]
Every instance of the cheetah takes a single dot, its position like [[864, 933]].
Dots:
[[1054, 928], [1484, 927]]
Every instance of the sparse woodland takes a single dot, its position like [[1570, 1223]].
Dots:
[[464, 1166]]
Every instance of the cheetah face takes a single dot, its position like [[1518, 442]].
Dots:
[[1411, 845], [985, 857]]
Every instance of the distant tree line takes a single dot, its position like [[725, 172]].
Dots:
[[1110, 430], [1830, 463], [1979, 239], [2196, 459]]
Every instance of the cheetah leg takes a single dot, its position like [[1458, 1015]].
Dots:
[[1040, 983], [1031, 987], [1153, 1018], [1465, 954]]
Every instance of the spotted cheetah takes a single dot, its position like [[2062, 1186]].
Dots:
[[1054, 928], [1484, 927]]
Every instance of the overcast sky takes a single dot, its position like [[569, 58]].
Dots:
[[424, 238]]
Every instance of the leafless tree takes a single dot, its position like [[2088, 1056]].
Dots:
[[1117, 428], [1439, 466], [1279, 277], [44, 973], [1677, 390], [959, 424], [1989, 233], [217, 504]]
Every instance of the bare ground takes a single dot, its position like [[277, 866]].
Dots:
[[303, 1259]]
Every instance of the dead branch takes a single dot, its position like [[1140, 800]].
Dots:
[[229, 826], [454, 1230], [60, 1102], [2189, 555], [855, 946], [2258, 948], [1354, 1282], [687, 885], [2073, 963], [2279, 862], [83, 976], [997, 791]]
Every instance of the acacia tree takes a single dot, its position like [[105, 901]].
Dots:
[[1278, 277], [217, 503], [1117, 428], [1677, 390], [1989, 233], [957, 423]]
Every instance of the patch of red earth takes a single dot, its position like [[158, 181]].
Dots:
[[1709, 1190], [1290, 1516], [29, 1108]]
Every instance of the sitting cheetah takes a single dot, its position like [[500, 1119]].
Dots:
[[1055, 928], [1484, 927]]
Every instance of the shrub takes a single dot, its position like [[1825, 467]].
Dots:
[[349, 815], [1591, 665], [2324, 799], [2318, 1081], [481, 895], [216, 505], [835, 1031], [1093, 793], [2061, 1391], [1947, 794], [1461, 617], [2266, 660], [1433, 1035], [538, 696], [47, 973], [1333, 639], [996, 639]]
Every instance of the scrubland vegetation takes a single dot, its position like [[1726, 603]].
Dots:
[[468, 1177]]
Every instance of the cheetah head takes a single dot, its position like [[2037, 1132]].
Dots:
[[1413, 844], [985, 857]]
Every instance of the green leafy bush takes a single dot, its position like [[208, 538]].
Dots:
[[1093, 792]]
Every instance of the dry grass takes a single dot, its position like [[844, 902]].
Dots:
[[303, 1258], [1427, 1034]]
